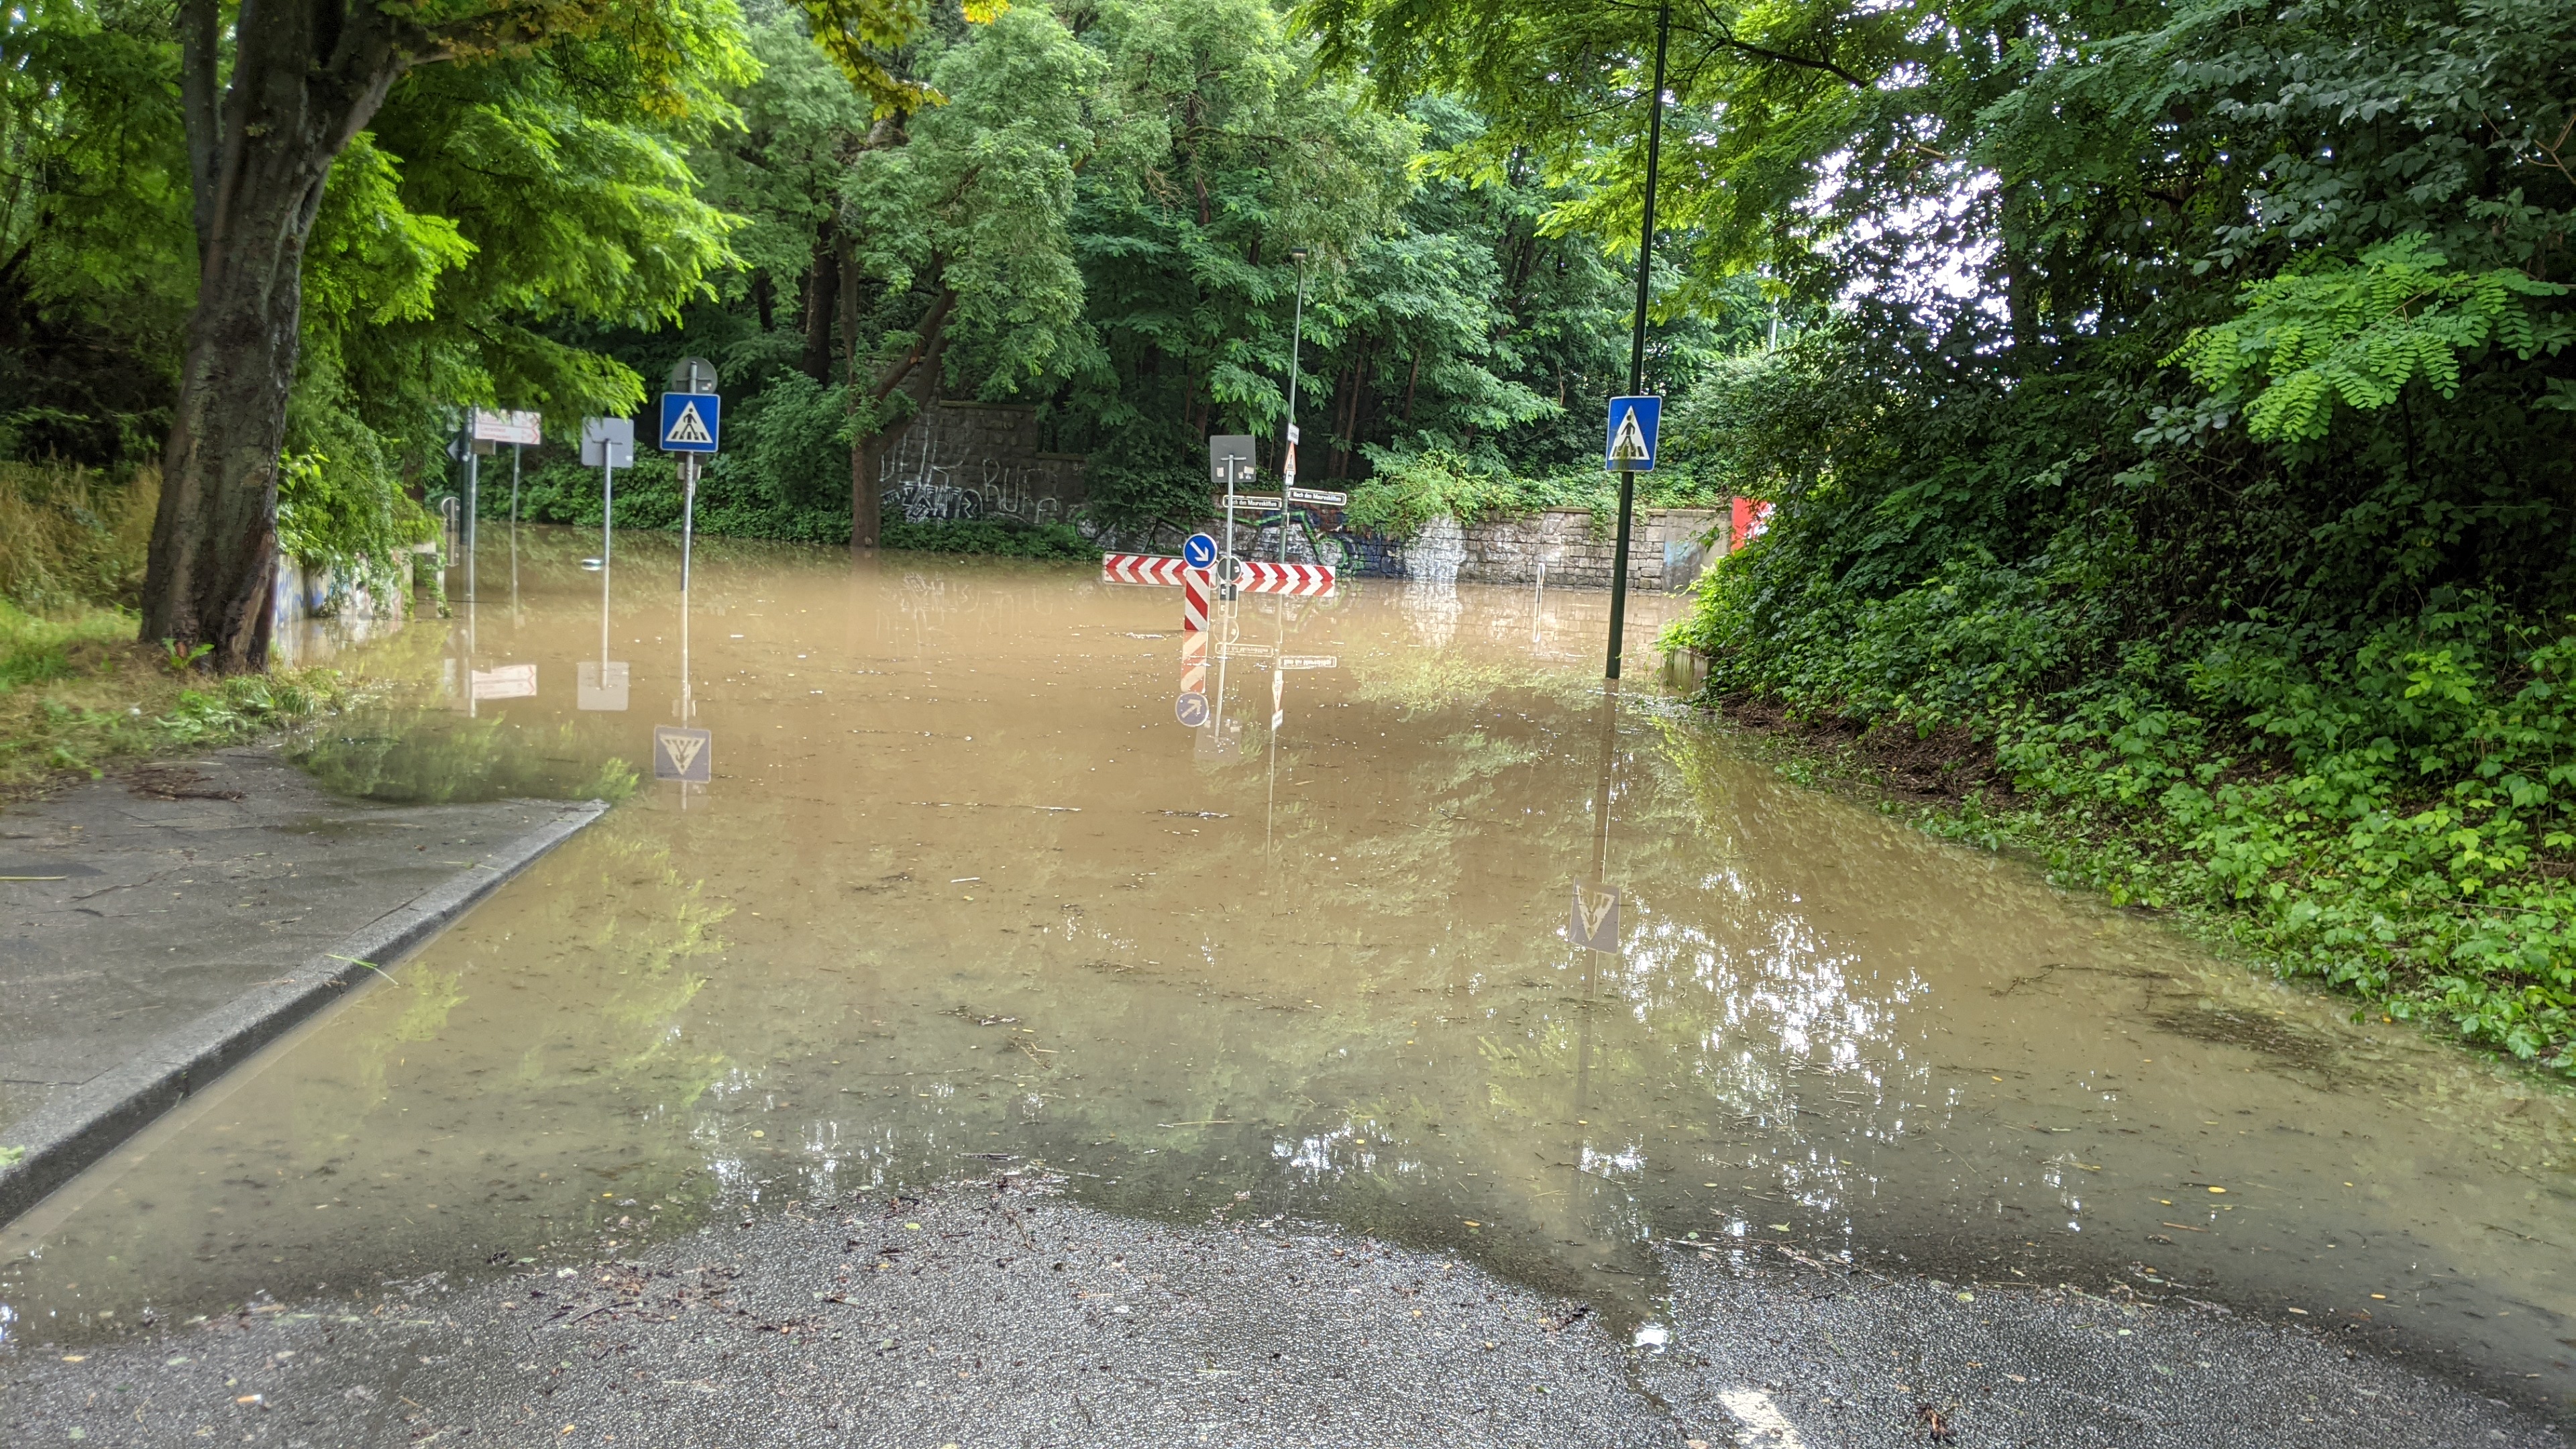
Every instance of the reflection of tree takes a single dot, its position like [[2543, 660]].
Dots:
[[427, 754]]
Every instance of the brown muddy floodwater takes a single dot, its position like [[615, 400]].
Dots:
[[962, 898]]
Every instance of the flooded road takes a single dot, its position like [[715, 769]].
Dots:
[[962, 896]]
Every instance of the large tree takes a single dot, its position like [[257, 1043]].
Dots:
[[271, 101]]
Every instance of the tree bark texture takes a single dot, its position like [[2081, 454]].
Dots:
[[307, 76]]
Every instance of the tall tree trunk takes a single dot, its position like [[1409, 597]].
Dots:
[[868, 449], [307, 75], [822, 300]]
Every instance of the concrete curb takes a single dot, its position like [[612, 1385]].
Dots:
[[78, 1128]]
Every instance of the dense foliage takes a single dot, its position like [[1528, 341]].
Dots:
[[2192, 429]]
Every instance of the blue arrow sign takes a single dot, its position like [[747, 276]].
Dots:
[[1199, 551], [1630, 447], [691, 422]]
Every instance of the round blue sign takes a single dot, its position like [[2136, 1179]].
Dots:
[[1199, 552], [1191, 710]]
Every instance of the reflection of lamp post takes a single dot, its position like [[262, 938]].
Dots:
[[1296, 337]]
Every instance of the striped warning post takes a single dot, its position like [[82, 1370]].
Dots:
[[1194, 651], [1298, 579], [1194, 599], [1140, 568]]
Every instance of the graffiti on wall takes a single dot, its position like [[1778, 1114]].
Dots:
[[961, 462]]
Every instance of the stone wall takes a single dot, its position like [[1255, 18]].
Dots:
[[1667, 549], [965, 460]]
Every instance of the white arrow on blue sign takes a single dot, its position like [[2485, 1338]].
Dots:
[[1631, 444], [1199, 551], [691, 422]]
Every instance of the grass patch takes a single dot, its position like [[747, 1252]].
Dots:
[[78, 692]]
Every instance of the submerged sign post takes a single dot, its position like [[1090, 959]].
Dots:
[[1628, 450], [692, 426], [1230, 465]]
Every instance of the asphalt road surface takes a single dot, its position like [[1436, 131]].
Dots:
[[1006, 1316]]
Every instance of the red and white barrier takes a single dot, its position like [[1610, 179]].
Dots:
[[1298, 579], [1194, 652], [1194, 599], [1140, 568]]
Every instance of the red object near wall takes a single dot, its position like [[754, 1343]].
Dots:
[[1751, 516]]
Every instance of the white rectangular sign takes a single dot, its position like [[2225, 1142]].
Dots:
[[1310, 661], [492, 427], [1248, 500], [1321, 497], [506, 681]]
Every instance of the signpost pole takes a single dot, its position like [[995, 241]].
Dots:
[[473, 476], [1296, 340], [688, 514], [1637, 337]]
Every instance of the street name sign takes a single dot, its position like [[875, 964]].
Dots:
[[1253, 501], [497, 427], [1310, 661], [1631, 444], [1321, 497]]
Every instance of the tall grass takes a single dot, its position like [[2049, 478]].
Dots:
[[73, 539]]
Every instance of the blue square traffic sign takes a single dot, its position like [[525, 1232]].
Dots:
[[691, 422], [1631, 444]]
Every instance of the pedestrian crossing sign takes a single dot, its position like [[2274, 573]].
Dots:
[[1631, 445], [691, 422]]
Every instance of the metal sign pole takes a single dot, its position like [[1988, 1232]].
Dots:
[[688, 515], [1637, 337], [473, 476], [1296, 338]]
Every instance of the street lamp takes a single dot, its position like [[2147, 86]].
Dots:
[[1296, 338]]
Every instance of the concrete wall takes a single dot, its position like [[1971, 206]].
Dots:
[[964, 460], [1666, 551]]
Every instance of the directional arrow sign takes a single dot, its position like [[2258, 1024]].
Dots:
[[1631, 445]]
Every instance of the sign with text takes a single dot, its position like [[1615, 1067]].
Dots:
[[1320, 497], [1261, 502], [494, 427], [506, 681]]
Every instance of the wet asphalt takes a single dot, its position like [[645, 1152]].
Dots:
[[991, 1316]]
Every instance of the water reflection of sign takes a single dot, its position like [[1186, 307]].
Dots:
[[1595, 922], [1310, 661], [602, 684], [506, 681], [1244, 651], [1219, 744], [1190, 709], [682, 754]]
